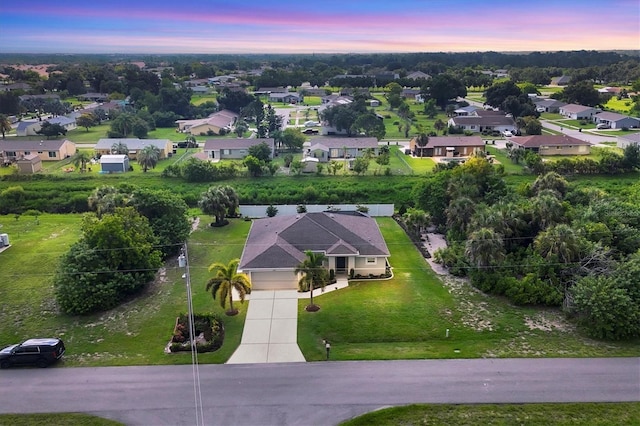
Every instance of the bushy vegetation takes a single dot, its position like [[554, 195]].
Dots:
[[545, 243], [115, 257]]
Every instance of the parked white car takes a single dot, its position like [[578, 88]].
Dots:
[[311, 124], [603, 126], [507, 133]]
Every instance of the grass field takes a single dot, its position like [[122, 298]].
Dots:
[[55, 419], [593, 414]]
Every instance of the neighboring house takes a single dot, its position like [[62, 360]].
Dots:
[[48, 96], [335, 99], [578, 112], [418, 75], [200, 90], [374, 103], [28, 127], [104, 146], [94, 97], [118, 163], [552, 144], [478, 124], [549, 105], [237, 149], [287, 98], [561, 81], [409, 93], [213, 124], [630, 139], [15, 86], [616, 121], [313, 91], [29, 164], [276, 246], [331, 148], [466, 111], [47, 150], [32, 127], [447, 146]]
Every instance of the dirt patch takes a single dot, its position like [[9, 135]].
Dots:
[[548, 321]]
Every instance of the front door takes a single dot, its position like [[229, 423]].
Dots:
[[341, 264]]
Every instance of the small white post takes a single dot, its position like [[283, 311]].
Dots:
[[447, 334]]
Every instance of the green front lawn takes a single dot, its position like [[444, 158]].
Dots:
[[407, 317], [420, 165]]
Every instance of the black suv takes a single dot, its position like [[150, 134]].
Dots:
[[40, 352]]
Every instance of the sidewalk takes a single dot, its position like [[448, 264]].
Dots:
[[270, 330]]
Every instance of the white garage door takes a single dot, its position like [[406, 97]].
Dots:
[[282, 280]]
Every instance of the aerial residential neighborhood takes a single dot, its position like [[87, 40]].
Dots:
[[314, 216]]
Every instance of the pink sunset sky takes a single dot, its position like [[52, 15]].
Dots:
[[326, 26]]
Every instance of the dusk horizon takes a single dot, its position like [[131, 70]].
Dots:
[[404, 26]]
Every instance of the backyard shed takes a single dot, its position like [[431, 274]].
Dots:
[[118, 163], [29, 164]]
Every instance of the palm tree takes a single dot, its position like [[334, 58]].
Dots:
[[561, 241], [313, 275], [120, 148], [241, 127], [552, 181], [80, 159], [215, 202], [149, 157], [5, 125], [547, 210], [226, 279], [484, 247], [106, 199], [459, 214]]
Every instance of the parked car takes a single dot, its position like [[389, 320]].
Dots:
[[311, 123], [603, 126], [38, 352], [189, 144], [310, 132], [507, 133]]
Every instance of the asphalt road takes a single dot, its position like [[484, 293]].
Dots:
[[320, 393]]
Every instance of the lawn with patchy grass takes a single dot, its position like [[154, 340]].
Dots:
[[134, 333], [593, 414], [407, 316]]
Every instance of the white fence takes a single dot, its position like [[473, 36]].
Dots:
[[289, 209]]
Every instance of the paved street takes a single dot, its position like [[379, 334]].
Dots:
[[320, 393]]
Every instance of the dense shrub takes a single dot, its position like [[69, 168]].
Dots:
[[209, 333]]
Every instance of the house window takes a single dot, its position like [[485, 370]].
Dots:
[[11, 153], [27, 153], [52, 154], [227, 151], [372, 260]]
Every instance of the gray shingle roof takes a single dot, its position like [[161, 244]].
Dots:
[[280, 241]]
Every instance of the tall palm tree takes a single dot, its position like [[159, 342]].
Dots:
[[149, 157], [484, 247], [80, 159], [547, 210], [552, 181], [459, 214], [5, 125], [313, 273], [226, 279]]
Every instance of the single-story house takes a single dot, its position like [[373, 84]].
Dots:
[[287, 98], [217, 121], [222, 149], [478, 124], [630, 139], [549, 105], [418, 75], [552, 144], [47, 150], [105, 145], [410, 93], [29, 164], [32, 127], [616, 121], [15, 86], [116, 163], [94, 97], [276, 246], [466, 111], [578, 112], [331, 148], [447, 146]]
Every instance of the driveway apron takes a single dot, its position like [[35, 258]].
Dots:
[[270, 330]]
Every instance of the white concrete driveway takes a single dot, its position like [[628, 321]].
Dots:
[[270, 329]]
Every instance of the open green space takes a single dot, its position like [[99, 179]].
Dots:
[[622, 106], [134, 333], [420, 165], [55, 419], [407, 317], [594, 414]]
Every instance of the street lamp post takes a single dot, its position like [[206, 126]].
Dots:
[[183, 262]]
